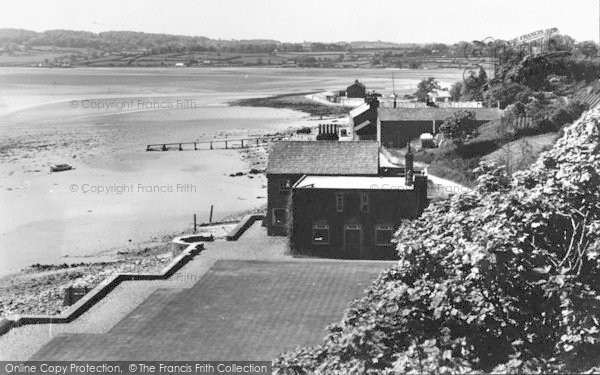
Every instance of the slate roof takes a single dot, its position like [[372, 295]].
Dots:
[[429, 114], [353, 182], [357, 83], [359, 110], [440, 94], [324, 158]]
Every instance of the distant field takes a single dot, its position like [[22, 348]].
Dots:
[[51, 56], [29, 59]]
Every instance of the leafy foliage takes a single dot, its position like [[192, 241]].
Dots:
[[587, 48], [460, 126], [456, 91], [425, 87], [157, 43], [501, 279], [542, 117], [474, 86], [506, 93]]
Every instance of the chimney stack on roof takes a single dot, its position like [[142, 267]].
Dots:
[[408, 165]]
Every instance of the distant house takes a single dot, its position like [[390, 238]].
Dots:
[[439, 96], [288, 161], [356, 90], [352, 217], [179, 65], [395, 126]]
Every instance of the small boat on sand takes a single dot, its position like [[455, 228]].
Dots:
[[60, 167]]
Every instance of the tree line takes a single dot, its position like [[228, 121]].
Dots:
[[117, 41]]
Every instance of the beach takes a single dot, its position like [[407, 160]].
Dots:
[[119, 198]]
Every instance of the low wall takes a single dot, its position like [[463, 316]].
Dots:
[[5, 326], [242, 226], [101, 291], [182, 242]]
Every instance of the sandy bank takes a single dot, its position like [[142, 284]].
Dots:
[[296, 102]]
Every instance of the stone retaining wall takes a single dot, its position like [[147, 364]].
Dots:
[[101, 291], [242, 226]]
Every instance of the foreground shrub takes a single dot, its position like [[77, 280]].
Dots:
[[501, 279]]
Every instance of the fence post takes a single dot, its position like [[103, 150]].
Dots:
[[195, 148]]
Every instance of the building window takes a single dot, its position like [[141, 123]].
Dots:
[[383, 235], [285, 185], [364, 203], [339, 202], [279, 216], [320, 234]]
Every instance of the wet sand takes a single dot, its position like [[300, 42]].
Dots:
[[66, 116]]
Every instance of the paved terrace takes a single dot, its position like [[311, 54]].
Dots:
[[234, 301]]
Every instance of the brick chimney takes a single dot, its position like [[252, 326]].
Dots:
[[408, 165]]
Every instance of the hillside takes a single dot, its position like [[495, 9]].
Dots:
[[67, 48], [541, 94], [501, 279]]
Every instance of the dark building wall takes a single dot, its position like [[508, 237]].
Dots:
[[369, 132], [386, 207], [278, 198], [356, 90], [397, 133]]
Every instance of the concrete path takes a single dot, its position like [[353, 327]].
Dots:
[[238, 310]]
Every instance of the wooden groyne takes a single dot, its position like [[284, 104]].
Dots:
[[216, 144]]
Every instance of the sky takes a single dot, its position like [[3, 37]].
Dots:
[[410, 21]]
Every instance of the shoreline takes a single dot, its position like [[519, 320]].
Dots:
[[294, 101], [38, 289]]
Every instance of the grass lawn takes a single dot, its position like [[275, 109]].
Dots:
[[523, 151], [239, 310]]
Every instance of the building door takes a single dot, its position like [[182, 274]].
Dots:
[[352, 240]]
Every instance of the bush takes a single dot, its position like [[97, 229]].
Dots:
[[565, 114], [460, 126]]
